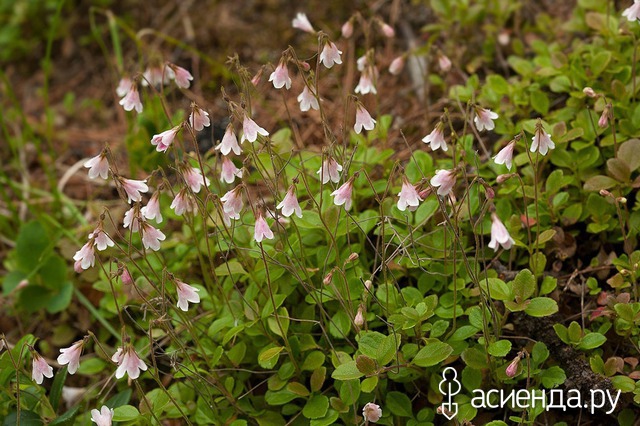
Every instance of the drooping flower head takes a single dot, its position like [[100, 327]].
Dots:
[[343, 194], [103, 417], [157, 76], [101, 239], [250, 130], [71, 356], [408, 196], [133, 188], [232, 202], [505, 155], [372, 412], [86, 255], [152, 209], [199, 118], [308, 100], [330, 171], [330, 55], [194, 178], [301, 22], [499, 234], [124, 85], [366, 83], [229, 142], [541, 140], [133, 218], [186, 294], [163, 141], [280, 76], [181, 76], [363, 119], [444, 180], [261, 229], [151, 236], [98, 166], [632, 13], [131, 100], [363, 61], [289, 203], [484, 119], [183, 202], [39, 368], [229, 171], [128, 362], [436, 138]]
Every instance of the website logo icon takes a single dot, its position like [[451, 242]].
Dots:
[[449, 387]]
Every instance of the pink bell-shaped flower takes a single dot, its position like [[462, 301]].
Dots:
[[484, 119], [186, 294], [128, 362], [363, 120], [499, 234], [261, 229], [289, 203], [71, 356], [505, 155], [436, 138], [229, 142], [343, 194], [444, 180], [408, 196], [330, 55], [98, 166]]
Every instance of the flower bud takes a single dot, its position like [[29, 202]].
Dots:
[[347, 29], [589, 92], [359, 319], [125, 276], [22, 284], [368, 285], [305, 65], [605, 193], [489, 192], [444, 62], [256, 78], [512, 369], [504, 178], [352, 257], [504, 38], [604, 118], [621, 200], [397, 65], [327, 278], [425, 193], [387, 30]]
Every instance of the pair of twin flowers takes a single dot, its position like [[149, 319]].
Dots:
[[445, 180], [125, 357]]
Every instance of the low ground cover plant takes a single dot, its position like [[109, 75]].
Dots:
[[313, 253]]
